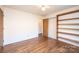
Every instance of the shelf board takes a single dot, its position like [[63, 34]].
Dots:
[[69, 19], [74, 41], [70, 28], [69, 33], [70, 24]]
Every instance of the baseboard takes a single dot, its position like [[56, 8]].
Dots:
[[40, 34], [52, 38], [21, 41]]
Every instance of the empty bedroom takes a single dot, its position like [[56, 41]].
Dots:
[[39, 28]]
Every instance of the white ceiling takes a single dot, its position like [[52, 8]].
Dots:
[[36, 10]]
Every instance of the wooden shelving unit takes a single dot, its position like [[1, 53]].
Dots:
[[68, 28]]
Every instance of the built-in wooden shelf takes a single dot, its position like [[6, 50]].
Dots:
[[69, 33], [70, 29], [74, 41], [69, 19], [70, 24]]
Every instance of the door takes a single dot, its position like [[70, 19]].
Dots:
[[45, 27], [1, 30]]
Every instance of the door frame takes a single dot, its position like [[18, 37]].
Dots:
[[2, 40]]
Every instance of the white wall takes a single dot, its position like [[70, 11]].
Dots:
[[40, 26], [19, 25], [52, 28]]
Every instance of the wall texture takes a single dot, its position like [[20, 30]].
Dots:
[[40, 26], [52, 28], [19, 25]]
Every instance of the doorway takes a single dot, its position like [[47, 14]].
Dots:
[[45, 27]]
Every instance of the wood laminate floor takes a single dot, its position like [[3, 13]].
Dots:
[[40, 45]]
